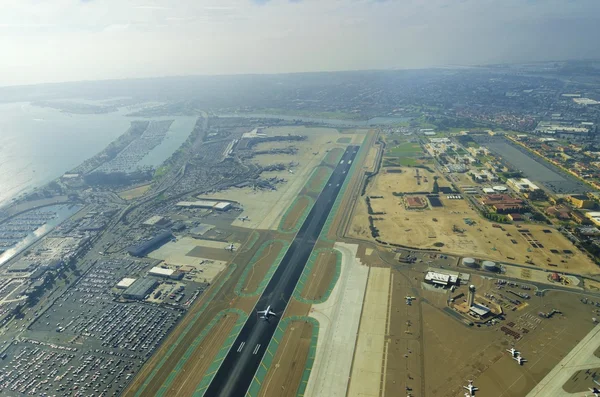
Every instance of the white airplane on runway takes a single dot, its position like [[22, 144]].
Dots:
[[472, 389], [264, 314], [513, 352], [519, 359], [409, 300], [230, 247], [243, 218], [291, 171]]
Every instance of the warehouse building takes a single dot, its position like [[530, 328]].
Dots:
[[148, 246], [156, 221], [125, 283], [140, 289], [206, 204], [161, 272]]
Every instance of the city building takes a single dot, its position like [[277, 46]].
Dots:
[[515, 217], [155, 221], [125, 283], [140, 289], [581, 201], [206, 204], [594, 217], [521, 185], [161, 272], [148, 246]]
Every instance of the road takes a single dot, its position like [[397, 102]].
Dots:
[[237, 370]]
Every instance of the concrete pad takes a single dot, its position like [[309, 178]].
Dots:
[[174, 253], [368, 359], [581, 357], [338, 318]]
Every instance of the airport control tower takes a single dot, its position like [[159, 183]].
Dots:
[[471, 296]]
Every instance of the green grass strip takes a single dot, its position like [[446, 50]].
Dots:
[[308, 269], [334, 156], [267, 360], [216, 364], [263, 284], [300, 220], [187, 329], [242, 316]]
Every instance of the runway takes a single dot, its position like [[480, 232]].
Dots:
[[237, 370]]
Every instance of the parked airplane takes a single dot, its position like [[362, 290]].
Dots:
[[291, 171], [519, 360], [230, 247], [264, 314], [594, 389], [243, 218], [409, 300], [472, 389], [513, 352]]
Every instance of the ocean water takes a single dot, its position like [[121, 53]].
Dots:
[[39, 144]]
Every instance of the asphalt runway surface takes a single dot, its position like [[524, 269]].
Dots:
[[239, 367]]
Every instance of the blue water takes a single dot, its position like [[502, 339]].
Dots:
[[39, 144]]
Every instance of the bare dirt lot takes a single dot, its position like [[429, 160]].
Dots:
[[445, 228], [321, 276], [288, 365], [293, 216], [405, 180]]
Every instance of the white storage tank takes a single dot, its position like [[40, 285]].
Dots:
[[489, 266], [469, 262]]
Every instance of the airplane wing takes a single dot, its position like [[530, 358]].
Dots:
[[263, 312], [272, 313]]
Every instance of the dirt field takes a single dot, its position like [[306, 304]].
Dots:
[[288, 365], [261, 266], [192, 372], [295, 214], [409, 180], [321, 276], [445, 228], [135, 192]]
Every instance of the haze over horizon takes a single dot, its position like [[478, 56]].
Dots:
[[72, 40]]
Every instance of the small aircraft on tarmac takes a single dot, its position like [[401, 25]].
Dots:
[[264, 314], [230, 247], [291, 171], [244, 218], [513, 352], [519, 359], [472, 389], [409, 300]]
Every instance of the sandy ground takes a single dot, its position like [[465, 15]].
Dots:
[[288, 365], [368, 359], [265, 208], [425, 228], [135, 192], [406, 181], [338, 318], [175, 253], [537, 276]]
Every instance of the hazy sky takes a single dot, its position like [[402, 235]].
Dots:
[[65, 40]]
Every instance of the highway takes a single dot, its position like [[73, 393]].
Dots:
[[237, 370]]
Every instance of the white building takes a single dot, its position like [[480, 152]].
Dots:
[[521, 185], [161, 272], [125, 283]]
